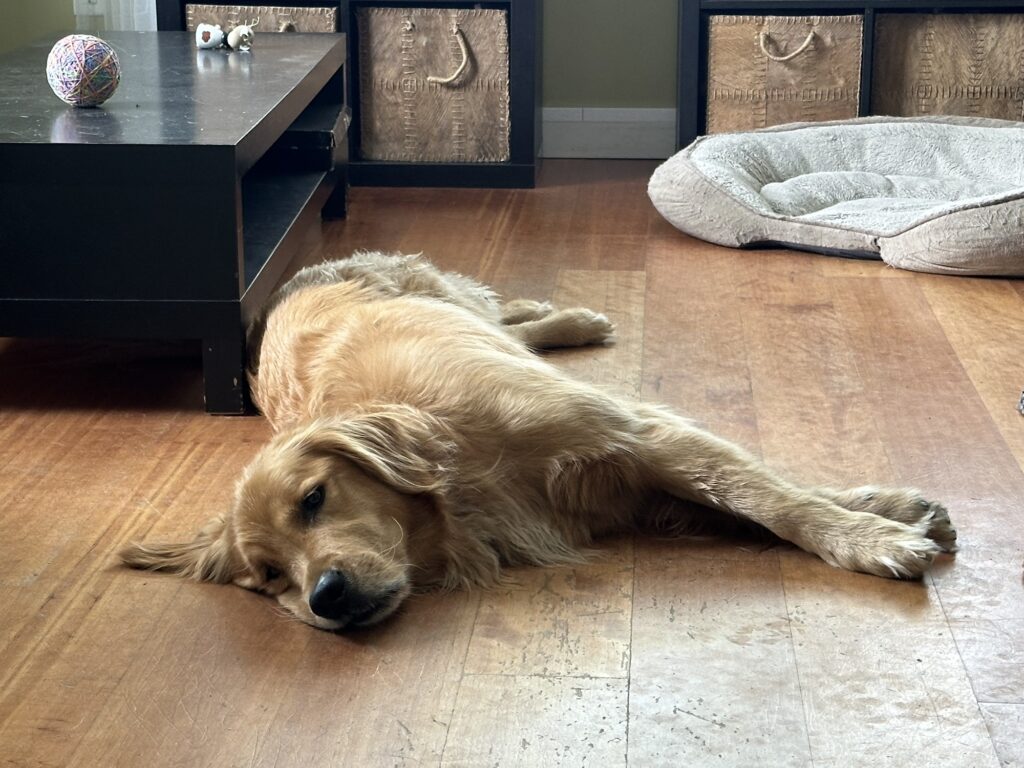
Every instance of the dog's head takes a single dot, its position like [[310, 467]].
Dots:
[[338, 520]]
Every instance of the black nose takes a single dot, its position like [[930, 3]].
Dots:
[[335, 597]]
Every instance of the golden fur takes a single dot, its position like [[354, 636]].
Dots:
[[420, 443]]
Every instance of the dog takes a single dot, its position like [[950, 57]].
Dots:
[[421, 443]]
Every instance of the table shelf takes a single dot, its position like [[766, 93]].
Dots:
[[273, 204]]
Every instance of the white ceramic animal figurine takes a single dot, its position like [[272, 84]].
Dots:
[[209, 36]]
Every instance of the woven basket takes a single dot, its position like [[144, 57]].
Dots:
[[433, 85], [271, 18], [949, 64], [768, 70]]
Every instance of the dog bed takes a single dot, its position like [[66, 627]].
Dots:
[[931, 194]]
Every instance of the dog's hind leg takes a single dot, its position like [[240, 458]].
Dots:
[[575, 327], [692, 464], [524, 310]]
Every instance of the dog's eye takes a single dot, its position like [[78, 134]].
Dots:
[[270, 573], [312, 502]]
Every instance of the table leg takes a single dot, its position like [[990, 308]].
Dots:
[[336, 206], [224, 380]]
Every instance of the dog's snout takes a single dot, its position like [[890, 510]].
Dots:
[[335, 597]]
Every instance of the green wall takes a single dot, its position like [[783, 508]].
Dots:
[[610, 53], [597, 53], [28, 20]]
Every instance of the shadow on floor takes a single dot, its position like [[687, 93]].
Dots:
[[38, 374]]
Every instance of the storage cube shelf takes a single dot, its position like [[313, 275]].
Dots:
[[433, 85], [959, 64], [767, 70], [747, 64], [482, 130]]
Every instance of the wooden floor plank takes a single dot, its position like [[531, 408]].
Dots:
[[522, 722], [612, 199], [1006, 724], [106, 616], [52, 557], [938, 432], [563, 622], [695, 355], [710, 630], [713, 677], [814, 422], [984, 322], [284, 694], [993, 650], [887, 695]]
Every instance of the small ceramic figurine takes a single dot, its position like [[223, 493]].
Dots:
[[209, 36], [240, 37]]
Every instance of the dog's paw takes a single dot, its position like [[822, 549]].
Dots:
[[888, 548], [940, 527], [591, 327], [904, 505]]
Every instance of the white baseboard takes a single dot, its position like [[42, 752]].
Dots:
[[602, 132]]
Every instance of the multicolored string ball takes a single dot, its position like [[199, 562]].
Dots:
[[83, 70]]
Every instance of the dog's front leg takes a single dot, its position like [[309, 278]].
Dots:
[[542, 327], [692, 464]]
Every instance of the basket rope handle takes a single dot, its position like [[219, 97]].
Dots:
[[464, 49], [763, 38]]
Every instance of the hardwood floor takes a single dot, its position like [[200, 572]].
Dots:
[[659, 653]]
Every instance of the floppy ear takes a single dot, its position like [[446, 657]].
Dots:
[[208, 557], [399, 445]]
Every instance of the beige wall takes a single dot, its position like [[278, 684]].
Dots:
[[610, 53], [597, 53], [23, 21]]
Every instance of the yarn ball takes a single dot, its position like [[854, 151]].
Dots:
[[83, 70]]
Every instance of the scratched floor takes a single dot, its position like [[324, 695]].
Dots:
[[661, 653]]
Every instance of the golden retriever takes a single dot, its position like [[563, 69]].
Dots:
[[420, 443]]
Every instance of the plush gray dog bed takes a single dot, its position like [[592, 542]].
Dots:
[[932, 194]]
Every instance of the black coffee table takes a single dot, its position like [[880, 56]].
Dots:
[[174, 209]]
